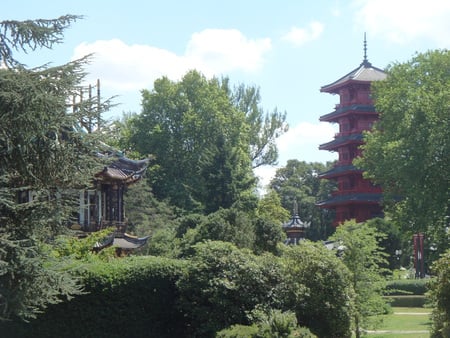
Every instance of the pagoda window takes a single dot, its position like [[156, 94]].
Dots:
[[351, 95], [345, 127]]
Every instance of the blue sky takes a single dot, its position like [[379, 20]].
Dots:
[[287, 48]]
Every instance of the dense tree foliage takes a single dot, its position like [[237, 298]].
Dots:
[[392, 242], [144, 212], [224, 285], [408, 150], [319, 289], [300, 181], [440, 296], [358, 246], [270, 208], [41, 151], [199, 140]]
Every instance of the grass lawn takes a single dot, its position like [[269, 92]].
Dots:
[[412, 321]]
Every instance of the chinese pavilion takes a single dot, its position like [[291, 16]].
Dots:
[[355, 198], [295, 228], [103, 206]]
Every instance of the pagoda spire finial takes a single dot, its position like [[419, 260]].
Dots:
[[365, 61], [295, 209]]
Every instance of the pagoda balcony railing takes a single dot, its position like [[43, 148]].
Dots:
[[344, 162], [347, 133], [365, 190]]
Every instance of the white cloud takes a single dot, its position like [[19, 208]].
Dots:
[[221, 50], [300, 36], [125, 67], [401, 21], [130, 67]]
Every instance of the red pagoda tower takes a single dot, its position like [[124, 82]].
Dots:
[[355, 198]]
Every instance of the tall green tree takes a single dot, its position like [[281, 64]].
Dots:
[[265, 127], [408, 150], [43, 157], [300, 181], [200, 142], [358, 246]]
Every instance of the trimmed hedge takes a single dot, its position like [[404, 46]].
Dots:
[[129, 297], [406, 287], [408, 301]]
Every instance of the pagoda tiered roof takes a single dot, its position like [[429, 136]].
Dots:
[[365, 73], [346, 110], [339, 170], [342, 140]]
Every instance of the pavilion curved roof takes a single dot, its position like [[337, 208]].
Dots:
[[124, 170]]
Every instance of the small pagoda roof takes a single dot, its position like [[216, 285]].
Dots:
[[341, 140], [356, 198], [339, 170], [295, 222], [342, 111]]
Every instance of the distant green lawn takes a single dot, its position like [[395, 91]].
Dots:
[[404, 319]]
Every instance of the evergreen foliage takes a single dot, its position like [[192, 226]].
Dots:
[[44, 157]]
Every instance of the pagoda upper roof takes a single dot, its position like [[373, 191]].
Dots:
[[365, 73]]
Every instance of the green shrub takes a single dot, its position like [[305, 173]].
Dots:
[[318, 290], [440, 295], [132, 297], [222, 283], [408, 301], [406, 287], [273, 324], [238, 331]]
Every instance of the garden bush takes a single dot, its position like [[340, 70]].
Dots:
[[406, 287], [440, 295], [128, 297]]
